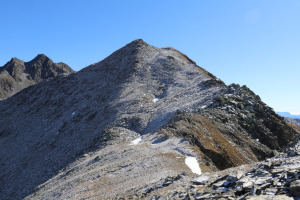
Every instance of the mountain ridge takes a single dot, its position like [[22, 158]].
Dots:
[[85, 123], [17, 75], [113, 94]]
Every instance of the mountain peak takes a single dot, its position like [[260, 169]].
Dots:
[[136, 44], [15, 60], [12, 64], [41, 57], [138, 41]]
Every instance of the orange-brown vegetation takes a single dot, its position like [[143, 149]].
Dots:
[[296, 128], [209, 139]]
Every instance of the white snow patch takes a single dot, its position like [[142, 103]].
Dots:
[[73, 113], [155, 100], [203, 107], [192, 163], [136, 141]]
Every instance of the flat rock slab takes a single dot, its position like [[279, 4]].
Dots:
[[270, 197]]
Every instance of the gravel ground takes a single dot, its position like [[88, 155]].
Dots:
[[124, 169]]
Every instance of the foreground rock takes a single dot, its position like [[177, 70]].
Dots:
[[17, 75], [275, 178]]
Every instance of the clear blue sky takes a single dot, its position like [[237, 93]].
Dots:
[[251, 42]]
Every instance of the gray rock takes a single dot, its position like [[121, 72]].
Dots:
[[247, 186], [222, 189], [295, 188], [201, 180], [270, 197], [203, 196], [232, 178], [262, 180], [219, 184], [270, 191]]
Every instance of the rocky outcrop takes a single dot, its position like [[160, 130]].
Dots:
[[255, 117], [275, 178], [237, 128], [17, 75]]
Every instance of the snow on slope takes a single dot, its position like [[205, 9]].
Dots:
[[192, 163]]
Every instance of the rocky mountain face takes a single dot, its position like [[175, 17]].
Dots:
[[17, 75], [136, 125], [236, 128]]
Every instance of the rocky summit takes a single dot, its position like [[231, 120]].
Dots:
[[17, 75], [144, 123]]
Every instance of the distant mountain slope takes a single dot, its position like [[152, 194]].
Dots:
[[17, 75], [287, 114], [71, 137], [293, 121]]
